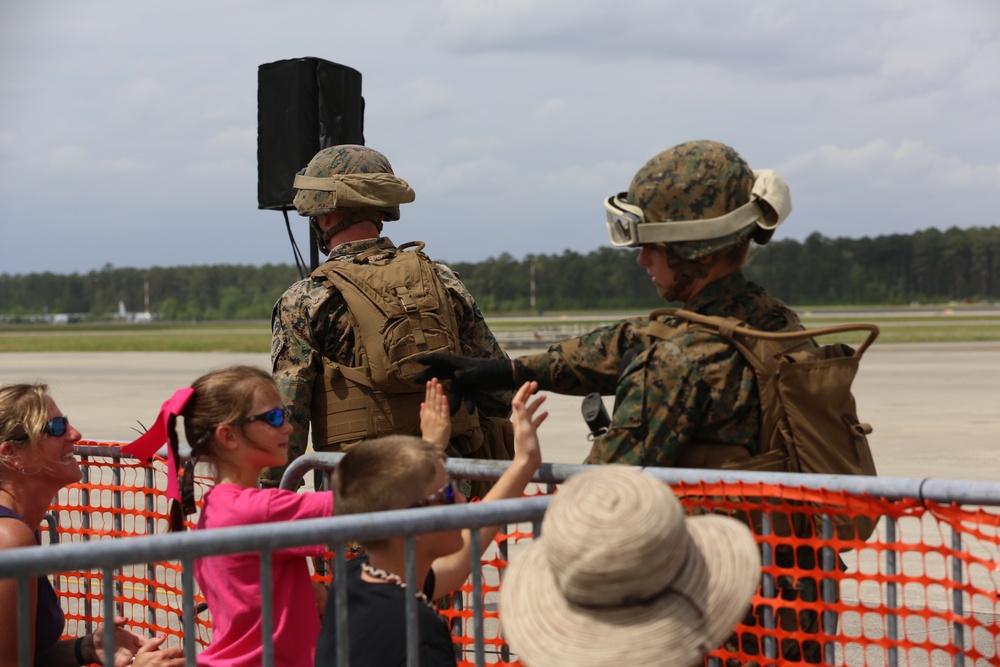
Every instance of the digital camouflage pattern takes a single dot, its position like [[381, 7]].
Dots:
[[310, 322], [343, 159], [692, 388], [696, 388], [697, 180]]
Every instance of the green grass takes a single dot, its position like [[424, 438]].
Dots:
[[249, 337], [255, 337]]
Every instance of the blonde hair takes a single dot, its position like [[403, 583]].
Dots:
[[23, 412], [387, 473]]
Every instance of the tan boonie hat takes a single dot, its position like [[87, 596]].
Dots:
[[621, 576]]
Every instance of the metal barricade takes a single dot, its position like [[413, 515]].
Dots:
[[920, 591]]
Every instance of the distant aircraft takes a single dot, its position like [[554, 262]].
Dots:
[[145, 315], [64, 318], [56, 318], [126, 316]]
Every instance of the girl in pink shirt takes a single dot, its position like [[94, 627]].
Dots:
[[233, 418]]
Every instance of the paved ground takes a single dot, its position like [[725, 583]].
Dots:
[[935, 408]]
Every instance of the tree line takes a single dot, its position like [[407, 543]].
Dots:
[[926, 266]]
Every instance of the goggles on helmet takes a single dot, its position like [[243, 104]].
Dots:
[[628, 228], [623, 221]]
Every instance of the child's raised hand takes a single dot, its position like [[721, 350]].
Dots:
[[526, 420], [435, 417]]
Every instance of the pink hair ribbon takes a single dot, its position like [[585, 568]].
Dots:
[[146, 445]]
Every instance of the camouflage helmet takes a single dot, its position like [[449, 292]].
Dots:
[[699, 197], [350, 176]]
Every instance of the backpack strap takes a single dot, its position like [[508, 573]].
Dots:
[[727, 327]]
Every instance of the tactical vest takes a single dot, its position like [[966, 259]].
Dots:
[[398, 309], [809, 420]]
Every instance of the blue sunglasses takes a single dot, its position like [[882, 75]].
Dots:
[[446, 495], [56, 427], [275, 418]]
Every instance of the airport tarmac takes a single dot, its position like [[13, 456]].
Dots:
[[935, 408]]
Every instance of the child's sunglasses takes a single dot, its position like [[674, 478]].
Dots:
[[275, 418], [444, 496]]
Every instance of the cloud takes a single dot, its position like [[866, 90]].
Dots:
[[730, 32], [423, 98], [477, 144], [474, 179], [594, 181], [908, 166], [233, 138], [512, 119], [143, 91], [554, 112]]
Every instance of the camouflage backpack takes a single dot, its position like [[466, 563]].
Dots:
[[809, 420], [399, 309]]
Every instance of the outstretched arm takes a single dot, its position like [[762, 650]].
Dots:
[[451, 571], [468, 376]]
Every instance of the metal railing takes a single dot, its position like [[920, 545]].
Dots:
[[265, 539]]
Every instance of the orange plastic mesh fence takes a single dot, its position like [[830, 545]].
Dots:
[[930, 593], [121, 498]]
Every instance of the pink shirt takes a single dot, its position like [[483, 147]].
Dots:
[[231, 584]]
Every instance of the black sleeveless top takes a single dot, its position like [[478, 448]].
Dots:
[[49, 617]]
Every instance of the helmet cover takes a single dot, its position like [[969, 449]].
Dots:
[[697, 180], [350, 176]]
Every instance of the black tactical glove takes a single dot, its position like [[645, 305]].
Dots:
[[467, 375]]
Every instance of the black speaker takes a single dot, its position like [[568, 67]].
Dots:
[[303, 106]]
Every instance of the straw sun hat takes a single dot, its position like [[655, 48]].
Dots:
[[620, 576]]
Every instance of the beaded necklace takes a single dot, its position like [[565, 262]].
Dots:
[[391, 578]]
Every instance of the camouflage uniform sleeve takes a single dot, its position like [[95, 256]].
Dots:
[[693, 389], [476, 340], [295, 364], [659, 400], [579, 366]]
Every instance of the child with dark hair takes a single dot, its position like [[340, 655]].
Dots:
[[398, 472]]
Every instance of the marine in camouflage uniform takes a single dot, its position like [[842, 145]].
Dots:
[[690, 388], [693, 210], [310, 321]]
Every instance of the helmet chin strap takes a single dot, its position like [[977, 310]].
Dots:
[[685, 273], [322, 237]]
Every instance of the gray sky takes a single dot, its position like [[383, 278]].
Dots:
[[128, 130]]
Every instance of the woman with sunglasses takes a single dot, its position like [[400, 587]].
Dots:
[[234, 420], [36, 462]]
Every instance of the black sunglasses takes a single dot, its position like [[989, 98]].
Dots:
[[56, 427], [275, 418]]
